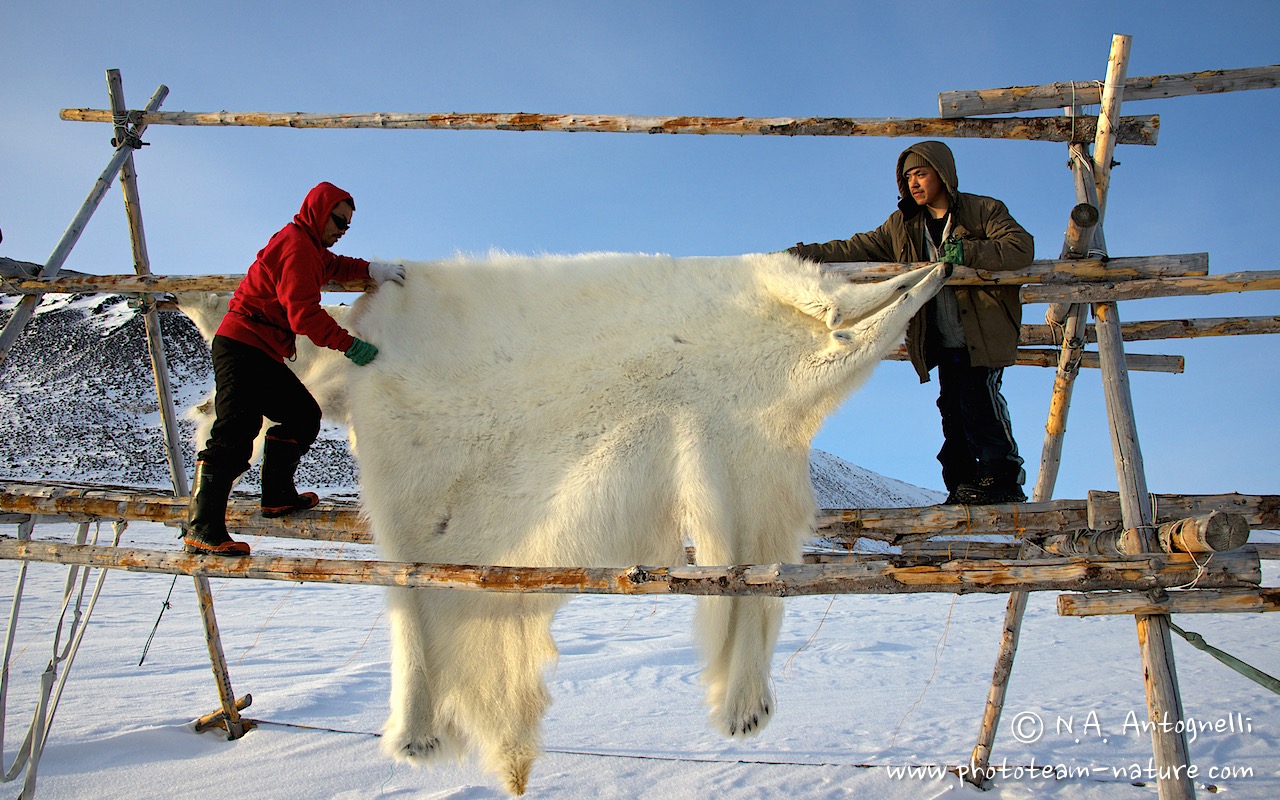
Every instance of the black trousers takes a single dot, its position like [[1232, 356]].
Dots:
[[252, 385], [977, 436]]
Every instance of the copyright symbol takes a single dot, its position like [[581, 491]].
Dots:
[[1027, 727]]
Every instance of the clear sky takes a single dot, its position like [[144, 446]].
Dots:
[[211, 197]]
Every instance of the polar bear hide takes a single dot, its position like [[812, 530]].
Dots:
[[595, 410]]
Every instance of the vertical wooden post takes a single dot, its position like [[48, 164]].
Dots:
[[164, 393], [1164, 702], [1088, 190], [1109, 117]]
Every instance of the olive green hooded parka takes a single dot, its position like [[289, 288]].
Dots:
[[992, 241]]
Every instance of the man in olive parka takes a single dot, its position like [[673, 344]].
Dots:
[[969, 332]]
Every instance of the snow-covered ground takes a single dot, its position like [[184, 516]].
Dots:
[[874, 692]]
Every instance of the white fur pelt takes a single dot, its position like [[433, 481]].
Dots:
[[595, 410]]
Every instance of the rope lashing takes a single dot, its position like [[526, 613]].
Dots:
[[1252, 673]]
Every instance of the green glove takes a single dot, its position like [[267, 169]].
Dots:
[[361, 352], [953, 251]]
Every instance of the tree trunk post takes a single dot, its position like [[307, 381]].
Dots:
[[1090, 194], [164, 394]]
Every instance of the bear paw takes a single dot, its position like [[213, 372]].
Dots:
[[743, 719]]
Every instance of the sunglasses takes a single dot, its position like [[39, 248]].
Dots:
[[341, 222]]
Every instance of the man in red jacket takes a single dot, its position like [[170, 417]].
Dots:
[[277, 299]]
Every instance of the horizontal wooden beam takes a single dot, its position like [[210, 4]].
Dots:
[[1054, 271], [885, 576], [1152, 330], [1215, 532], [1031, 357], [340, 520], [1261, 512], [1109, 291], [1015, 99], [331, 521], [906, 526], [1131, 130], [1197, 601]]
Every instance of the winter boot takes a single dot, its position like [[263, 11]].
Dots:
[[989, 490], [280, 459], [206, 530]]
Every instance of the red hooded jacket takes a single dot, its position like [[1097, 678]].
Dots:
[[280, 295]]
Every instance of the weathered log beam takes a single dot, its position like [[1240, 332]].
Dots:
[[329, 521], [948, 549], [1135, 268], [1261, 512], [1142, 289], [1015, 99], [1030, 357], [1152, 330], [340, 520], [1195, 601], [885, 576], [1215, 532], [1080, 224], [905, 526], [1142, 130], [1054, 271]]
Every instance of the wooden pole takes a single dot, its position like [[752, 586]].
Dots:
[[1137, 130], [1104, 146], [342, 521], [1053, 271], [27, 306], [887, 575], [1087, 289], [1200, 601], [1215, 532], [1080, 224], [1032, 357], [168, 416], [1156, 329], [1016, 99], [1164, 702], [1090, 195], [1261, 512]]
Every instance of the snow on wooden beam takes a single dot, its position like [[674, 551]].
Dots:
[[885, 576], [1014, 99], [1198, 601], [1131, 130]]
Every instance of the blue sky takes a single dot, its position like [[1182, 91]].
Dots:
[[211, 197]]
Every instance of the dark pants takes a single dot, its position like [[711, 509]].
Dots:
[[977, 437], [252, 385]]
